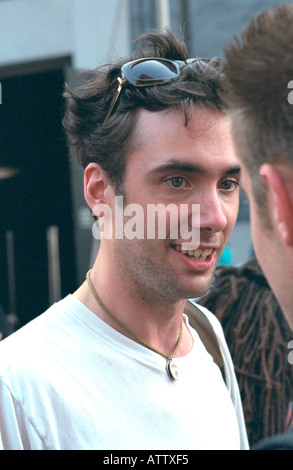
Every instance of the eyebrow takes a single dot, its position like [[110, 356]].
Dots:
[[193, 168]]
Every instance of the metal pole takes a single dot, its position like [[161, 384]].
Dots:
[[163, 14], [53, 264]]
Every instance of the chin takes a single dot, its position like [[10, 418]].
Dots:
[[197, 291]]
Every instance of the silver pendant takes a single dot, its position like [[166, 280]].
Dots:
[[172, 369]]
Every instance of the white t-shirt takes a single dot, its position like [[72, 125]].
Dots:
[[69, 381]]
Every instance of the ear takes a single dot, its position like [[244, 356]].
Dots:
[[96, 186], [279, 179]]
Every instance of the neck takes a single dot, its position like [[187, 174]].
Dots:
[[156, 324], [128, 331]]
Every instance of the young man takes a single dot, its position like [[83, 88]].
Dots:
[[259, 70], [116, 365]]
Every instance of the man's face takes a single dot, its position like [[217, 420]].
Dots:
[[173, 164], [270, 250]]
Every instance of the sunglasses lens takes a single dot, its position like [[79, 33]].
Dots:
[[152, 70]]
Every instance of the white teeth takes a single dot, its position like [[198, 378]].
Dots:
[[198, 253]]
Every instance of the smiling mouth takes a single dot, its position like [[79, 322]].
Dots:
[[198, 254]]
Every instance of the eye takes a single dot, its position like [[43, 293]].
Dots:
[[229, 185], [175, 181]]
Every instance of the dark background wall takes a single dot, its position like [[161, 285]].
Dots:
[[39, 195]]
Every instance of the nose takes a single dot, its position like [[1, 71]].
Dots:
[[213, 214]]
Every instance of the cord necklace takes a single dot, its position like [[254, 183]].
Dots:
[[170, 366]]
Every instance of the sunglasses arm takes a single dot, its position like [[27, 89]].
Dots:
[[114, 100]]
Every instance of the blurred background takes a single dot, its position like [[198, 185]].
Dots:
[[46, 243]]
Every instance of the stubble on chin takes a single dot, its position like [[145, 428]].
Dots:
[[147, 277]]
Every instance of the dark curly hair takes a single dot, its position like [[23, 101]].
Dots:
[[91, 141]]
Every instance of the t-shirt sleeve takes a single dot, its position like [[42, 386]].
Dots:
[[16, 431]]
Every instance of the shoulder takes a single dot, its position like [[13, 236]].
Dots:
[[215, 334], [28, 344]]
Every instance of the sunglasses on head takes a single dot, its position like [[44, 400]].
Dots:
[[149, 71]]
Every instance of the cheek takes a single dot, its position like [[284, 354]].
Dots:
[[160, 220], [231, 216]]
